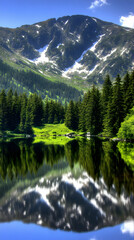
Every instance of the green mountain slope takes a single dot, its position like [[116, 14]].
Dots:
[[30, 81]]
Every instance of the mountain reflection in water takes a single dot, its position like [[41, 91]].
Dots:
[[82, 186]]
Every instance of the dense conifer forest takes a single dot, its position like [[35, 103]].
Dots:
[[98, 111], [103, 111]]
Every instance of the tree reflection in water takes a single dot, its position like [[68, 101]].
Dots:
[[85, 181], [98, 158]]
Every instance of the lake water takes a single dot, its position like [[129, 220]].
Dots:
[[83, 190]]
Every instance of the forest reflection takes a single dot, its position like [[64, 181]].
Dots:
[[98, 158]]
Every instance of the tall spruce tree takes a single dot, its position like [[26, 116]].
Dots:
[[106, 93], [3, 111], [82, 124], [10, 113], [51, 112], [108, 119], [93, 112], [28, 119], [37, 110], [23, 100], [117, 105], [70, 116], [127, 95], [16, 111], [46, 110], [115, 111], [132, 88], [83, 112]]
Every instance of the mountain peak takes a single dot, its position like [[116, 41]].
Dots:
[[73, 47]]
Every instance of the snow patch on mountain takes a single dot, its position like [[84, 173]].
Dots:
[[78, 67], [60, 44], [93, 48], [108, 55], [38, 26], [93, 69], [95, 19], [43, 58], [78, 38], [66, 22]]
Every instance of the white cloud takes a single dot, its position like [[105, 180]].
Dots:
[[128, 227], [98, 3], [127, 21]]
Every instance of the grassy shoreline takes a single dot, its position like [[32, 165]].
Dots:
[[52, 130], [53, 133]]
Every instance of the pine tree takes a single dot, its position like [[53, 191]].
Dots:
[[69, 116], [117, 105], [46, 109], [55, 119], [3, 111], [37, 110], [76, 115], [132, 88], [84, 112], [10, 113], [28, 119], [115, 111], [93, 112], [106, 93], [127, 96], [23, 113], [51, 112], [16, 111], [108, 119], [82, 124]]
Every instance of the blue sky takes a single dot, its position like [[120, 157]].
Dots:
[[14, 13]]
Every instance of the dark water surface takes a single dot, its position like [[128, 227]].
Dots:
[[83, 190]]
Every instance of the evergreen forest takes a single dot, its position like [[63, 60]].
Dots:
[[98, 112], [103, 111]]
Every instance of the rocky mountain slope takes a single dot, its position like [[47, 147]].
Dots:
[[77, 48]]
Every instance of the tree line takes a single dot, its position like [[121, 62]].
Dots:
[[99, 110], [19, 113], [102, 110]]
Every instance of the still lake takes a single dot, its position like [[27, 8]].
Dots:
[[82, 190]]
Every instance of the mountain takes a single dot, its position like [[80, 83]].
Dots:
[[76, 50]]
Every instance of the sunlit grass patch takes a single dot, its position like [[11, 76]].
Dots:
[[51, 130]]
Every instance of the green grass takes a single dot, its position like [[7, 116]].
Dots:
[[52, 134], [51, 130], [49, 134]]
